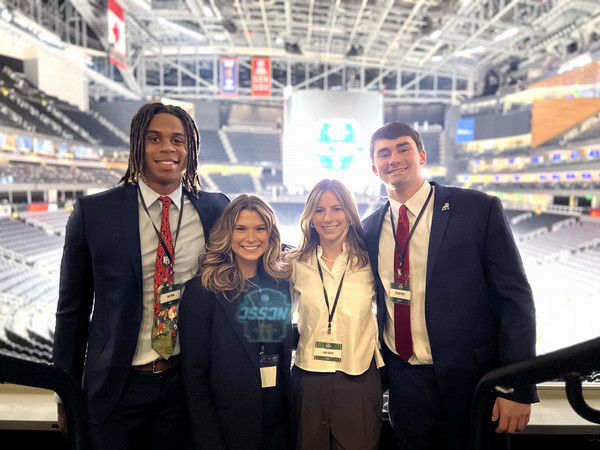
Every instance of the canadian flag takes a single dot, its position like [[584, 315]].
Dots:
[[116, 33]]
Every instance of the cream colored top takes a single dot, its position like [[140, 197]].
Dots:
[[353, 325]]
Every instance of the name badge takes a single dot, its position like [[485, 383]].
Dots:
[[400, 293], [169, 294], [328, 351], [268, 370]]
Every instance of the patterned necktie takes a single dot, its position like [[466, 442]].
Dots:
[[164, 330], [402, 329]]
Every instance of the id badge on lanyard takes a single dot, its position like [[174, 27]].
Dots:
[[328, 347], [400, 293], [169, 295], [268, 370]]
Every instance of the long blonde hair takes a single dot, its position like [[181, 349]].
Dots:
[[310, 238], [218, 268]]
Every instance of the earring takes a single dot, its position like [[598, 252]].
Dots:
[[349, 223], [312, 225]]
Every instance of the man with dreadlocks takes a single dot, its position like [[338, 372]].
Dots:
[[116, 322]]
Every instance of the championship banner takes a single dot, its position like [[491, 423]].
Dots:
[[116, 34], [261, 77], [229, 77]]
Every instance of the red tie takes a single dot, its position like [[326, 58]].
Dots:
[[164, 330], [402, 329]]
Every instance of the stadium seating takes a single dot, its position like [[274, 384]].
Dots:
[[35, 111], [255, 147], [211, 148], [34, 172], [234, 183], [28, 245], [53, 222]]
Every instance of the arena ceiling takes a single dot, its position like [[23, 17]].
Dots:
[[412, 50]]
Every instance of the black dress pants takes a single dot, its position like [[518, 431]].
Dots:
[[152, 414]]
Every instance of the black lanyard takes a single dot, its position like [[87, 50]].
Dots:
[[161, 240], [337, 295], [412, 230]]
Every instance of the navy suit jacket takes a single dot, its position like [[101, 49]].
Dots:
[[221, 370], [479, 307], [101, 276]]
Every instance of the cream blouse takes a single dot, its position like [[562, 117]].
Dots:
[[353, 324]]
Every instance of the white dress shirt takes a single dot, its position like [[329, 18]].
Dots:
[[188, 247], [418, 252], [353, 325]]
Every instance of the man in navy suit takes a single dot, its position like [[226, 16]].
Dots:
[[470, 305], [105, 313]]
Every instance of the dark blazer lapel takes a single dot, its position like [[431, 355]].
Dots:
[[230, 311], [372, 236], [127, 208], [442, 211]]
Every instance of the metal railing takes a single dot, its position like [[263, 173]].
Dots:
[[571, 364]]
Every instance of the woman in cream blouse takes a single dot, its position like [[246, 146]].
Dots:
[[337, 389]]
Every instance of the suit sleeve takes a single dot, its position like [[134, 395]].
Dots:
[[511, 296], [195, 330], [75, 299]]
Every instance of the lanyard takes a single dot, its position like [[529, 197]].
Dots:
[[412, 230], [162, 242], [337, 295]]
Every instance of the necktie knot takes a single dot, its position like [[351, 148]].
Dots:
[[403, 215], [166, 201]]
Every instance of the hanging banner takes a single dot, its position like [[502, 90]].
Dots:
[[261, 77], [116, 34], [229, 76]]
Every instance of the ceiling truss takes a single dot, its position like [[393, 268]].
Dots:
[[410, 50]]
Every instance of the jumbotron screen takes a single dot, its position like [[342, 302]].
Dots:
[[326, 135]]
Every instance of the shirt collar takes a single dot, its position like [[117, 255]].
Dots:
[[344, 249], [413, 204], [150, 196]]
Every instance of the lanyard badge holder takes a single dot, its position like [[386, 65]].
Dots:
[[400, 291], [328, 345], [268, 369]]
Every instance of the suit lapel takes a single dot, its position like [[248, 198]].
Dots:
[[230, 312], [372, 234], [130, 231], [442, 211], [373, 226]]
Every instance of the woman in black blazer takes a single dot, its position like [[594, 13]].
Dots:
[[236, 336]]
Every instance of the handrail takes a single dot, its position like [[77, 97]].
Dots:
[[570, 363], [47, 376]]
